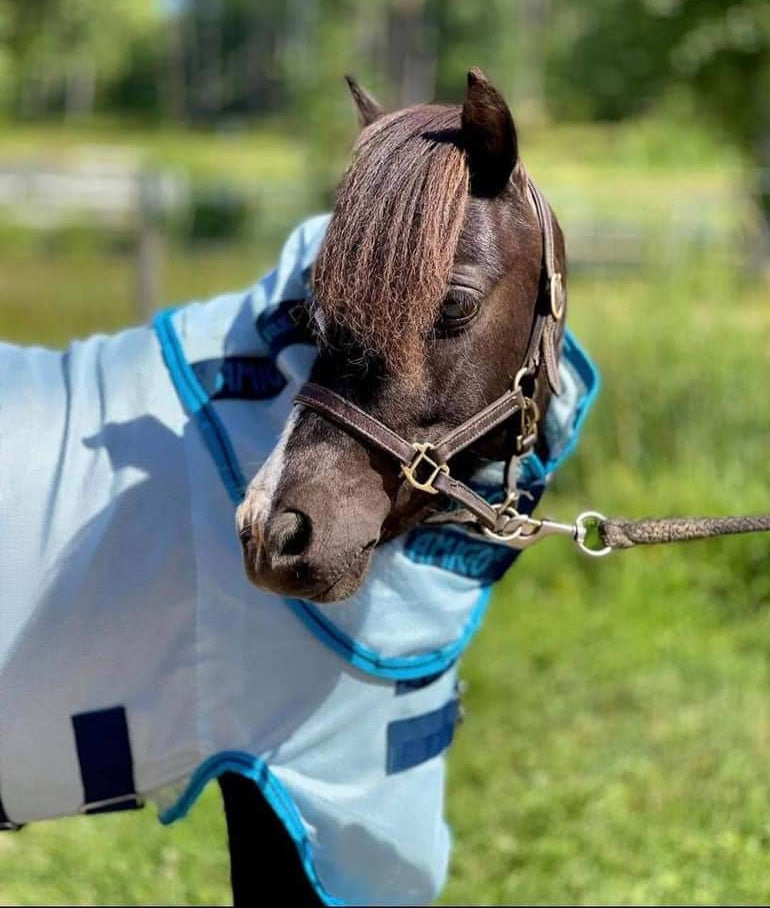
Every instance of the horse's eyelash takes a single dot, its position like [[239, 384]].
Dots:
[[458, 295]]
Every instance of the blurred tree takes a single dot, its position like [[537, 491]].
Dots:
[[506, 38], [411, 50], [204, 59], [61, 50], [210, 60], [6, 59], [613, 58]]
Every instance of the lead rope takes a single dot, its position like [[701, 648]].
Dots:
[[625, 534], [597, 535]]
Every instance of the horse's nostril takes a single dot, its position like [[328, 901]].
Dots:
[[289, 533]]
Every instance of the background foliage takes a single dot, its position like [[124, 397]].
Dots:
[[616, 745]]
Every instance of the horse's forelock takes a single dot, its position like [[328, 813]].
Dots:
[[385, 263]]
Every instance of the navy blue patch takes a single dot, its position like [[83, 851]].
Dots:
[[412, 684], [106, 765], [239, 378], [459, 553], [287, 324], [413, 741]]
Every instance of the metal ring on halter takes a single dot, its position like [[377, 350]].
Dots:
[[523, 373], [580, 535], [504, 507]]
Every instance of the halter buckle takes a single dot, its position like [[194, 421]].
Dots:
[[420, 458], [556, 290], [529, 415]]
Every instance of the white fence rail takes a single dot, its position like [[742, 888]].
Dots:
[[110, 189]]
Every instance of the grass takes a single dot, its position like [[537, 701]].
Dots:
[[54, 297], [617, 740], [618, 731]]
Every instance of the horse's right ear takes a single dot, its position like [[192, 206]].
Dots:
[[489, 135], [368, 109]]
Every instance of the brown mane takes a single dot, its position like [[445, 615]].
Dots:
[[385, 263]]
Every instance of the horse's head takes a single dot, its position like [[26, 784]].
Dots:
[[424, 294]]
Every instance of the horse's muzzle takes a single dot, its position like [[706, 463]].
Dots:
[[286, 554]]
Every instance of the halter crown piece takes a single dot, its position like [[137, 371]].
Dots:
[[425, 465]]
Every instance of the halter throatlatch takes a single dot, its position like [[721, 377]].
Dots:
[[425, 465]]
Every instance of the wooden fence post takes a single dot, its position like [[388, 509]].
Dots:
[[149, 245]]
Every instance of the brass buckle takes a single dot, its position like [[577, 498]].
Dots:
[[556, 288], [530, 415], [420, 457], [529, 412]]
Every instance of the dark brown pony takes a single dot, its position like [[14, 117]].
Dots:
[[423, 300]]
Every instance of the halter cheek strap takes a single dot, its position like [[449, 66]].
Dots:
[[425, 464], [544, 340]]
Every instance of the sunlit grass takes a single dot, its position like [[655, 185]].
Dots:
[[53, 297], [617, 743]]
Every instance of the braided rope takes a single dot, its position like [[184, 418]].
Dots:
[[624, 534]]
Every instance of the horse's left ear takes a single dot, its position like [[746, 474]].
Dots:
[[368, 109], [489, 135]]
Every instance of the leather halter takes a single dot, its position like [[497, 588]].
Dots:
[[425, 464]]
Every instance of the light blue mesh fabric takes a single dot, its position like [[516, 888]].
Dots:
[[121, 584]]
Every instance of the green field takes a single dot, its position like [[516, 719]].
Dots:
[[617, 741]]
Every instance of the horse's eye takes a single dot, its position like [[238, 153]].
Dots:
[[458, 310]]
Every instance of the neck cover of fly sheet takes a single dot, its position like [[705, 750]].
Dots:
[[136, 660]]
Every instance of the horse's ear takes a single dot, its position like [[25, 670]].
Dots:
[[368, 109], [489, 135]]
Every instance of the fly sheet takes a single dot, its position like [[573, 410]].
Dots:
[[136, 660]]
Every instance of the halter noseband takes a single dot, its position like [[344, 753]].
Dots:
[[424, 464]]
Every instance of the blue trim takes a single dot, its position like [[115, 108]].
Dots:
[[275, 793], [396, 668], [196, 401], [420, 738], [473, 557]]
